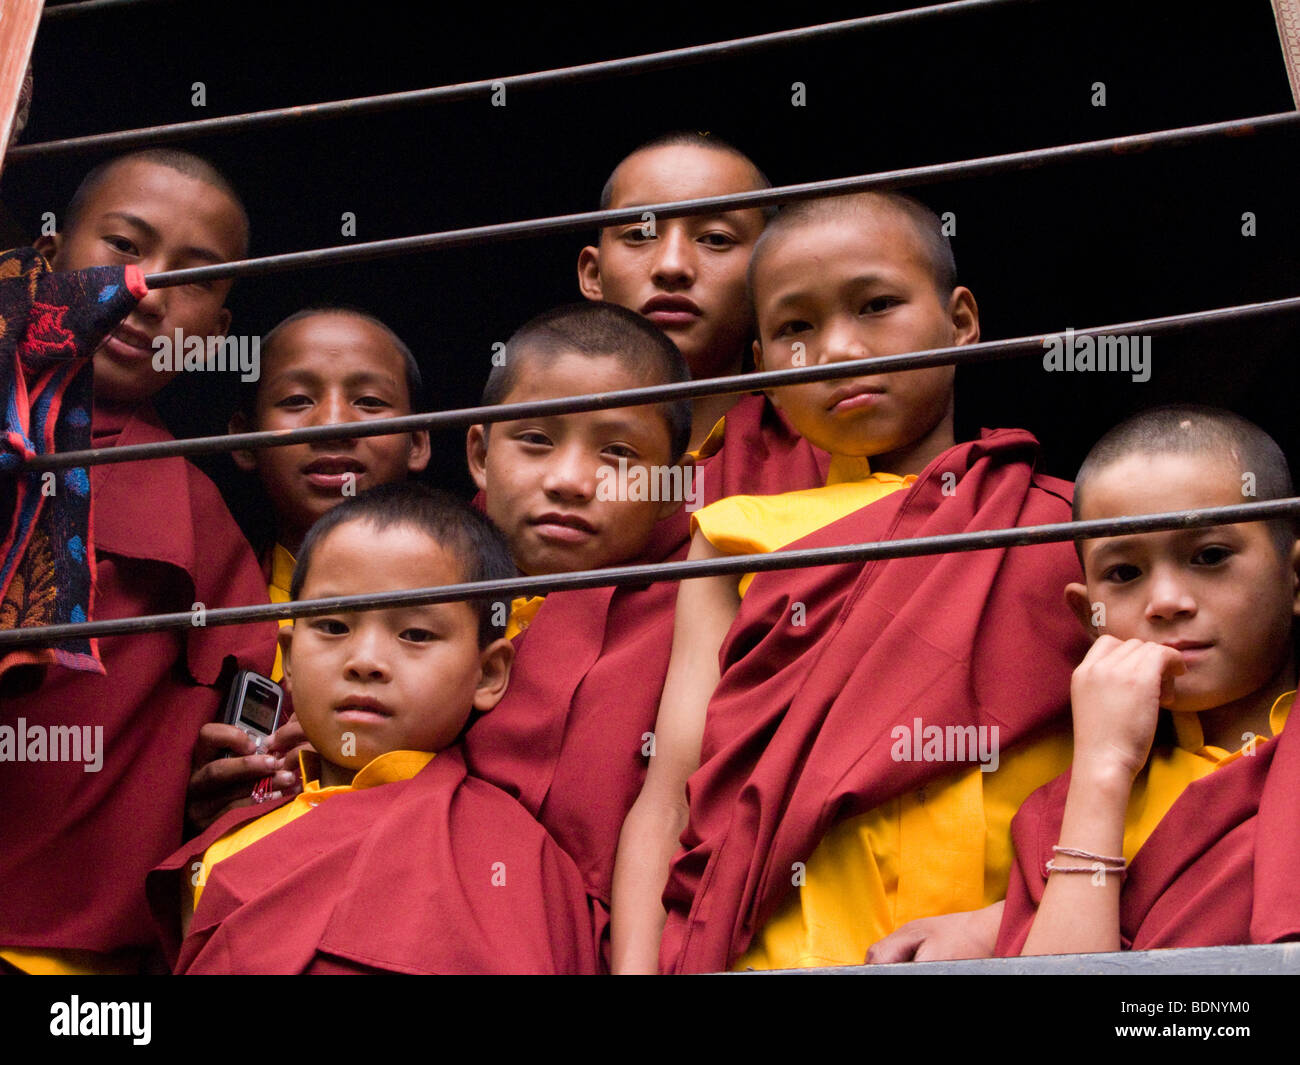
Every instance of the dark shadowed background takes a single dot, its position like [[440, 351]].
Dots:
[[1132, 236]]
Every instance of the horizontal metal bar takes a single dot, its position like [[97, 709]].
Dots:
[[573, 75], [1025, 536], [965, 355], [90, 7], [909, 177]]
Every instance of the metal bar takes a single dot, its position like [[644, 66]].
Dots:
[[985, 351], [90, 7], [573, 75], [1025, 536], [908, 177]]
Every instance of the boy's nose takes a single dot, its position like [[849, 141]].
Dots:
[[365, 660], [332, 409], [674, 260], [842, 342], [1168, 598], [570, 475], [154, 305]]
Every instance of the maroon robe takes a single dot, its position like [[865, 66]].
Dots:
[[760, 455], [1219, 869], [798, 732], [440, 873], [75, 846], [568, 739]]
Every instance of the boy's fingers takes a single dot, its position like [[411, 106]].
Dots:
[[1173, 664], [227, 783], [287, 737], [216, 739], [1101, 648], [226, 773], [899, 945]]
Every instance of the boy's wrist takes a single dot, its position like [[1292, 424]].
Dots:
[[1106, 776]]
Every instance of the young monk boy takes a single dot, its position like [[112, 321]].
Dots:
[[75, 844], [1176, 825], [590, 663], [806, 783], [687, 275], [326, 366], [320, 366], [388, 822]]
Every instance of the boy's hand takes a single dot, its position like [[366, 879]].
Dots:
[[944, 938], [1116, 694], [219, 784]]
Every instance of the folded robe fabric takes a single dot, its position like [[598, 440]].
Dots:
[[440, 873], [75, 844], [569, 738], [1219, 869], [50, 325], [822, 663]]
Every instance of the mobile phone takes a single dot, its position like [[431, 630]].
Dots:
[[254, 705]]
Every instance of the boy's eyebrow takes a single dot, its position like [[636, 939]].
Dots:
[[1118, 544], [190, 251], [1108, 545], [861, 281], [329, 592], [613, 421]]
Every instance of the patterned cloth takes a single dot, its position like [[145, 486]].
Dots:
[[50, 325]]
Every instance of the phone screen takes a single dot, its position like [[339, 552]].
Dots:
[[259, 708]]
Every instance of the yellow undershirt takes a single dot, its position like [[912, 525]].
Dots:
[[282, 564], [947, 851], [944, 847], [385, 769], [743, 525], [712, 443], [37, 962], [1170, 769], [522, 611]]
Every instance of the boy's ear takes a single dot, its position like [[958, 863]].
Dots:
[[589, 273], [476, 454], [284, 637], [420, 453], [48, 245], [964, 313], [245, 460], [494, 676], [1076, 598]]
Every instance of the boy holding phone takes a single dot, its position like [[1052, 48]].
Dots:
[[469, 881]]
